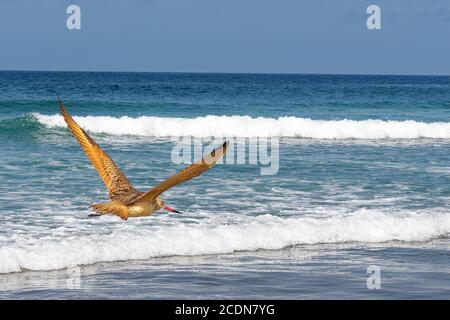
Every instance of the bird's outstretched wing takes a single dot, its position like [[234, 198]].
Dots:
[[186, 174], [116, 182]]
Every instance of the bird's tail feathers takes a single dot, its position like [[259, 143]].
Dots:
[[111, 207]]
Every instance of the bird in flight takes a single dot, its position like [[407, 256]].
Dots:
[[126, 201]]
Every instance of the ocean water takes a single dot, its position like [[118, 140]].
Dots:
[[363, 181]]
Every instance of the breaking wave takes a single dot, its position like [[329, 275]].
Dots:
[[245, 126], [133, 240]]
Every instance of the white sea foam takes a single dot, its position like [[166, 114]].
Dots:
[[215, 236], [245, 126]]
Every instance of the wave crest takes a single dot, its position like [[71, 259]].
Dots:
[[245, 126]]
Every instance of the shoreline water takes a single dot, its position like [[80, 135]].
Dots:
[[300, 272]]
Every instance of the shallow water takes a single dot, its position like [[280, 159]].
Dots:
[[335, 271]]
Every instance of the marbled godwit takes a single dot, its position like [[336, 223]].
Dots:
[[126, 201]]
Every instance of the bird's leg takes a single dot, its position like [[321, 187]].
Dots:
[[93, 215]]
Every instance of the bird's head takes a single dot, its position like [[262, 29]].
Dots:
[[161, 204]]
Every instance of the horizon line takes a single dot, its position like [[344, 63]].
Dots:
[[230, 72]]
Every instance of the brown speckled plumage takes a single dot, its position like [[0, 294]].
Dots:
[[126, 201]]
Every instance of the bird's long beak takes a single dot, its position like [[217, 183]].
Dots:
[[170, 209]]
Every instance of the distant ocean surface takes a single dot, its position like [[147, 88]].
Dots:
[[363, 180]]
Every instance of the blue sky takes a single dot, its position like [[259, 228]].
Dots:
[[273, 36]]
